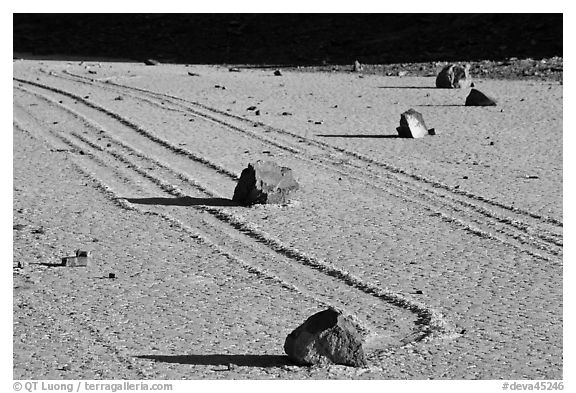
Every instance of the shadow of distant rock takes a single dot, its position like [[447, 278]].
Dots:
[[441, 105], [183, 201], [408, 87], [224, 360], [356, 136]]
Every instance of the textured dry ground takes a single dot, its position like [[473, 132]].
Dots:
[[448, 249]]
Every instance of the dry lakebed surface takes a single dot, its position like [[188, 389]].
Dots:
[[446, 249]]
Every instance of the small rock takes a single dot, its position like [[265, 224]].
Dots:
[[111, 275], [357, 67], [412, 125], [234, 69], [454, 76], [318, 122], [151, 62], [251, 108], [264, 182], [82, 258], [91, 71], [257, 112], [119, 98], [193, 73], [477, 98], [402, 73], [327, 337], [286, 114], [278, 73]]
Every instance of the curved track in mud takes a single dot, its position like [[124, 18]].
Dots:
[[136, 167]]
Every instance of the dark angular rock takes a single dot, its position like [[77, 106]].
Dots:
[[412, 125], [454, 76], [278, 73], [477, 98], [264, 182], [326, 337]]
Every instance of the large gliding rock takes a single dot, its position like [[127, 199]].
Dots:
[[326, 337], [264, 182], [454, 76]]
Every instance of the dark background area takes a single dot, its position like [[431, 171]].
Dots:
[[290, 39]]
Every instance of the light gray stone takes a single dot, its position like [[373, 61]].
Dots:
[[412, 125]]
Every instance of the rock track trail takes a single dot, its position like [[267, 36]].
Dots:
[[328, 245]]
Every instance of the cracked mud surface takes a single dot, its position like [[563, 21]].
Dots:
[[448, 250]]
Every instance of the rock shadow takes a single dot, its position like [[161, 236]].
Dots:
[[357, 136], [441, 105], [224, 360], [409, 87], [47, 264], [183, 201]]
